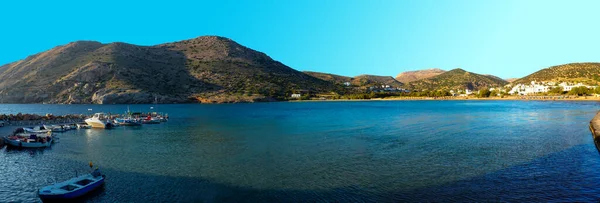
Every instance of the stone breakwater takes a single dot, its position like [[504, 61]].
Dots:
[[34, 119]]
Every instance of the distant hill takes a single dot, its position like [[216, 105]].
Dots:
[[511, 79], [360, 81], [337, 79], [457, 79], [370, 80], [495, 77], [409, 76], [207, 69], [588, 73]]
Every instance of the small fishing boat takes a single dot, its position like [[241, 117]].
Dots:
[[56, 128], [66, 127], [128, 121], [162, 118], [37, 129], [151, 120], [29, 140], [99, 120], [83, 126], [73, 188]]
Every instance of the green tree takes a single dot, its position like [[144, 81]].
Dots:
[[484, 93], [556, 90], [580, 91], [494, 93], [597, 90]]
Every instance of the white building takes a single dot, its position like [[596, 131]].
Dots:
[[296, 95], [543, 87]]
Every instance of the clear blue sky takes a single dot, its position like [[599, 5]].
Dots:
[[505, 38]]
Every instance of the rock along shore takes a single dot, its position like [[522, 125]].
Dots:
[[595, 129]]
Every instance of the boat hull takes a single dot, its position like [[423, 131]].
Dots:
[[128, 122], [56, 129], [31, 130], [74, 194], [83, 126], [16, 143], [98, 124]]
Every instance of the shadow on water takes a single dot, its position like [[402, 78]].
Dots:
[[87, 197], [568, 175], [31, 151]]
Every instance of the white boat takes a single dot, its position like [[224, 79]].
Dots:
[[37, 129], [29, 140], [55, 128], [162, 118], [128, 121], [72, 188], [72, 126], [83, 126], [99, 120], [66, 127]]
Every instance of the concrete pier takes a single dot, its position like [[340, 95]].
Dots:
[[595, 129]]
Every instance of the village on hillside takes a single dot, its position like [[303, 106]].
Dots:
[[539, 88], [534, 88]]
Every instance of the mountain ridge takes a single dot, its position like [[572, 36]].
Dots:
[[586, 72], [457, 79], [213, 69], [203, 69], [363, 80], [409, 76]]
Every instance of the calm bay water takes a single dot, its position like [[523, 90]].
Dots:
[[323, 151]]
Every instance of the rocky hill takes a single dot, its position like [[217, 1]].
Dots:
[[337, 79], [587, 73], [409, 76], [359, 81], [457, 79], [205, 69], [370, 80]]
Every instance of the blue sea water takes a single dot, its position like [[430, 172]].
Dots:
[[380, 151]]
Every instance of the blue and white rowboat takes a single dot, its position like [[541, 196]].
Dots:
[[72, 188]]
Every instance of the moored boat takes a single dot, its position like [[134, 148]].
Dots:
[[83, 126], [99, 120], [37, 129], [28, 140], [151, 120], [56, 128], [128, 121], [72, 188]]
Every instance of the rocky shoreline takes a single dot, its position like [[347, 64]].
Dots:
[[595, 129]]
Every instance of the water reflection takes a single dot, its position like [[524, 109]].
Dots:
[[338, 151]]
